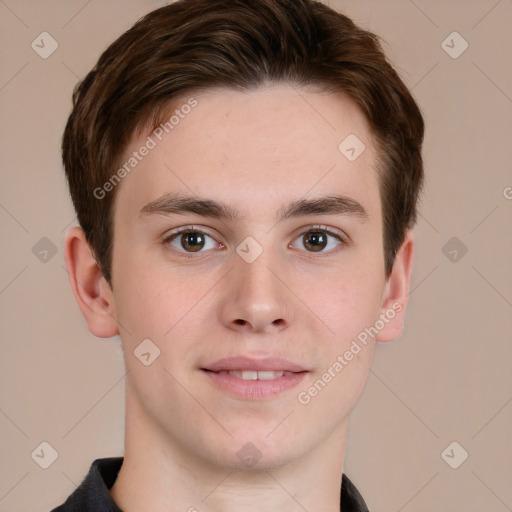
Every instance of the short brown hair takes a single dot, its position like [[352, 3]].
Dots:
[[194, 45]]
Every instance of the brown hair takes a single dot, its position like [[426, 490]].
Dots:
[[198, 44]]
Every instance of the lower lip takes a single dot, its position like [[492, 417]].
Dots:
[[254, 389]]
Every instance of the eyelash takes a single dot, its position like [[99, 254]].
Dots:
[[343, 239]]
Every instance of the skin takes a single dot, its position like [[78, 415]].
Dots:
[[255, 151]]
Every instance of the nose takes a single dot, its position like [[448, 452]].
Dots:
[[255, 299]]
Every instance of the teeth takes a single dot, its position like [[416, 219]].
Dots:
[[267, 375], [254, 375]]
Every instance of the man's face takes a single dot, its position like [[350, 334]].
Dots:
[[211, 295]]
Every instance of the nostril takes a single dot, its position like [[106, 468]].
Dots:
[[240, 321]]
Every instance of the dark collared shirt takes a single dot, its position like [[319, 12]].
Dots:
[[92, 495]]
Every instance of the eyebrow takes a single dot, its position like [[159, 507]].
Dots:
[[169, 204]]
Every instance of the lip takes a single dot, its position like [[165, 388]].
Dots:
[[254, 389], [249, 363]]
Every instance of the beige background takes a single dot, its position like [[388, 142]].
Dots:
[[447, 379]]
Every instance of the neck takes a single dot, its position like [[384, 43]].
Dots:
[[158, 473]]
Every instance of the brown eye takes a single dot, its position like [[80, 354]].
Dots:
[[193, 241], [315, 241], [188, 240], [320, 241]]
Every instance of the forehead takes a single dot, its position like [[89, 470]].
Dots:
[[255, 148]]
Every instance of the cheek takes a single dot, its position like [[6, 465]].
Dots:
[[347, 302], [158, 301]]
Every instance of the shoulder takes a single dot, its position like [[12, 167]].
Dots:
[[92, 495]]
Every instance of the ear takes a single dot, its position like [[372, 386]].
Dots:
[[92, 292], [395, 297]]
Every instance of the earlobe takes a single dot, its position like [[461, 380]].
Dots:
[[395, 298], [92, 293]]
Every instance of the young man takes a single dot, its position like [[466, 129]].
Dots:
[[245, 175]]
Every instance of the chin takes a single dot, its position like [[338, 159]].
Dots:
[[257, 452]]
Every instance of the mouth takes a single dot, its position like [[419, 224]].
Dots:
[[255, 374], [254, 379]]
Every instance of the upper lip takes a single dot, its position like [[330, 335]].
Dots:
[[248, 363]]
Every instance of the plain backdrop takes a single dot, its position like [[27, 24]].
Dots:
[[446, 380]]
